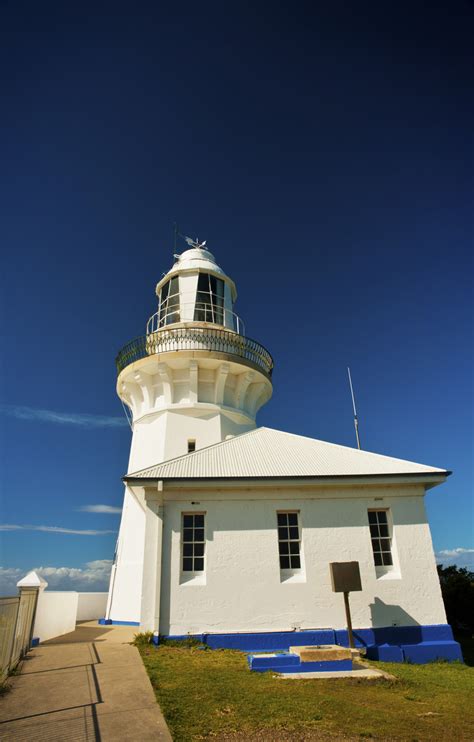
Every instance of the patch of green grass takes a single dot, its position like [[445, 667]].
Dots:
[[214, 695]]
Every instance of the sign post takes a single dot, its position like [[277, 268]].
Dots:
[[345, 578]]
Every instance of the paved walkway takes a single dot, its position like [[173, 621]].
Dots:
[[87, 686]]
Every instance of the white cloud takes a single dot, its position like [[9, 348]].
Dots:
[[53, 529], [63, 418], [109, 509], [459, 556], [93, 576]]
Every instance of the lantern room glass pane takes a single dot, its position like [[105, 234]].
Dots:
[[169, 302], [209, 299]]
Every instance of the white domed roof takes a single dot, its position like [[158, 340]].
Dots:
[[197, 259]]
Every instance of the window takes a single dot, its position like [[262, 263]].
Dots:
[[380, 536], [169, 302], [191, 445], [193, 542], [289, 540], [209, 299]]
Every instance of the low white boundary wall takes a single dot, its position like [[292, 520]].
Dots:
[[55, 614], [91, 606]]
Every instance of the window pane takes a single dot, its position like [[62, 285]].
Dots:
[[199, 534], [187, 565], [187, 534], [187, 521], [293, 519], [374, 531], [203, 282], [187, 550], [283, 534], [164, 291], [294, 534], [198, 564], [199, 550], [382, 516], [378, 559], [372, 516], [199, 520], [283, 547], [282, 519], [383, 530], [284, 562], [385, 544], [295, 562], [387, 559], [376, 544], [294, 547], [220, 288]]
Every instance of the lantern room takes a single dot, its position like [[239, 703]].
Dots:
[[196, 291]]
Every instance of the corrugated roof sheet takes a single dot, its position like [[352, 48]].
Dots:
[[265, 452]]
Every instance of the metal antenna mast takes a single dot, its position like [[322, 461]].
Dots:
[[356, 422], [176, 232]]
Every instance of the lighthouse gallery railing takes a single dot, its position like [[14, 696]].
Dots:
[[195, 338]]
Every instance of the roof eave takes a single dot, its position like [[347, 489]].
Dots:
[[430, 479]]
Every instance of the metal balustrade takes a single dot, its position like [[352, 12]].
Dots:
[[189, 311], [195, 338]]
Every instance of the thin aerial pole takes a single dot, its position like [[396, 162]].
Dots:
[[175, 239], [356, 422]]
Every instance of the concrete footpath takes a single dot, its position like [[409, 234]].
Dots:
[[89, 685]]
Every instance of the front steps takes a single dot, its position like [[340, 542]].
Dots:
[[304, 659]]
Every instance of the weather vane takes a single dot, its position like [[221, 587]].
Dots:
[[189, 240], [194, 243]]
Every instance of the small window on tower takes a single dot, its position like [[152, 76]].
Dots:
[[192, 542], [191, 445]]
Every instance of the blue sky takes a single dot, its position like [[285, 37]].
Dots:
[[323, 152]]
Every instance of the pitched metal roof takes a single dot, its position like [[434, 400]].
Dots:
[[266, 453]]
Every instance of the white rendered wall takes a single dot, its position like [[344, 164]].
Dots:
[[91, 606], [242, 588], [55, 614]]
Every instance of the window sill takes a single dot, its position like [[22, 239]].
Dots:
[[292, 575], [192, 578], [387, 573]]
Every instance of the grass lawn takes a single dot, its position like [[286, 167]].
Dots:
[[212, 694]]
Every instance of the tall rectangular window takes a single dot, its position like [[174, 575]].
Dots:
[[193, 542], [289, 540], [380, 537]]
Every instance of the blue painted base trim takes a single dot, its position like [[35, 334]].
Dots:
[[109, 622], [417, 644], [35, 641]]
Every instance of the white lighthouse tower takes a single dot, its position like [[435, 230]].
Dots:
[[192, 380]]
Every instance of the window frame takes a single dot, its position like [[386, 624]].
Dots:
[[381, 530], [292, 556], [192, 542]]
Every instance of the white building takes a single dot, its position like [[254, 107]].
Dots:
[[228, 529]]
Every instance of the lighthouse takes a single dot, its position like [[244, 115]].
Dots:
[[228, 530], [191, 380]]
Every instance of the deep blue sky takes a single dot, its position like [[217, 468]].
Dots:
[[325, 153]]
